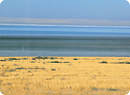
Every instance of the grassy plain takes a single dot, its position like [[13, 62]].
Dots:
[[64, 75]]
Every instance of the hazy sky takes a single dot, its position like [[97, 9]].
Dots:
[[77, 9]]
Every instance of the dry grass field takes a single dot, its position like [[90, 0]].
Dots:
[[64, 75]]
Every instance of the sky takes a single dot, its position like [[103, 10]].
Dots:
[[66, 9]]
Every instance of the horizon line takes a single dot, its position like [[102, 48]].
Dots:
[[68, 25]]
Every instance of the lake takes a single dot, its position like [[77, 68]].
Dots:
[[64, 40]]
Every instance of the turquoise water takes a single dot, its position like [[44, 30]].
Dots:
[[51, 40]]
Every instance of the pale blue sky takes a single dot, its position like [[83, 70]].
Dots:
[[88, 9]]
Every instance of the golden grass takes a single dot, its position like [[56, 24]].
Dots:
[[64, 75]]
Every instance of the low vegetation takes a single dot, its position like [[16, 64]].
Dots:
[[53, 69], [67, 76], [39, 57], [10, 59], [76, 59], [124, 62], [105, 62], [59, 62]]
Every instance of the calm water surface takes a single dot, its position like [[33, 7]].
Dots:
[[34, 40]]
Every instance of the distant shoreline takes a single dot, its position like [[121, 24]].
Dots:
[[69, 25], [61, 37]]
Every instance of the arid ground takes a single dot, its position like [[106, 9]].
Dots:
[[64, 75]]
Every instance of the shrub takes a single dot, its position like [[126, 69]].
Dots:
[[124, 62], [127, 62], [76, 59], [52, 57], [53, 69], [39, 57], [94, 88], [13, 59], [55, 62], [105, 62], [66, 62], [25, 58], [112, 89], [2, 60], [59, 62], [21, 68]]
